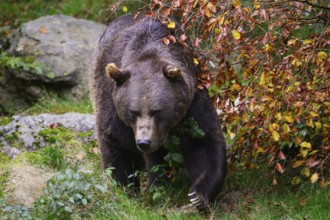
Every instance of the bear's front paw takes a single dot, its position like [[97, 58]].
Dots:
[[200, 202]]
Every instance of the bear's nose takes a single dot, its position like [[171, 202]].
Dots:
[[143, 145]]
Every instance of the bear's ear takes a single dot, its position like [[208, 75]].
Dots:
[[172, 72], [115, 73]]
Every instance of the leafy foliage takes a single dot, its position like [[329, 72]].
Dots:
[[266, 65], [20, 63]]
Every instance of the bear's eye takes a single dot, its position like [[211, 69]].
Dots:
[[154, 112], [135, 114]]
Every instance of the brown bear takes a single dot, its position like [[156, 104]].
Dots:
[[141, 90]]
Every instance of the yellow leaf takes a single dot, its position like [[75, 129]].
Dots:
[[318, 125], [232, 135], [267, 47], [298, 163], [275, 126], [305, 171], [235, 87], [314, 114], [285, 128], [236, 34], [221, 19], [236, 3], [289, 118], [125, 9], [278, 116], [314, 177], [171, 25], [304, 153], [260, 150], [306, 145], [245, 117], [295, 180], [307, 41], [266, 98], [256, 5], [293, 41], [208, 13], [310, 123], [196, 61], [275, 135], [322, 55], [262, 79]]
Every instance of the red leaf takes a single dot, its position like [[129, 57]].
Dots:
[[166, 40], [53, 125], [281, 155], [279, 168], [183, 37], [172, 38]]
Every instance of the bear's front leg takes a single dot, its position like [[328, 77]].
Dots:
[[124, 162], [206, 164]]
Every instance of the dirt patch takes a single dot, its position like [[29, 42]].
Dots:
[[26, 183]]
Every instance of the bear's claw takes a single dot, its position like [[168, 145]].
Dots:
[[200, 203]]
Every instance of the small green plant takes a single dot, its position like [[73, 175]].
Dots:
[[13, 212], [5, 120], [11, 137], [69, 192], [20, 63], [51, 156], [52, 135]]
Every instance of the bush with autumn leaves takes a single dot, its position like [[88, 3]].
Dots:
[[266, 65]]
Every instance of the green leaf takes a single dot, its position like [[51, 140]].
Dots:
[[68, 209]]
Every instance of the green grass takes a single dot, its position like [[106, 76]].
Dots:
[[14, 12], [52, 103], [260, 200]]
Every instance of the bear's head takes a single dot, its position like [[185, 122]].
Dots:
[[151, 96]]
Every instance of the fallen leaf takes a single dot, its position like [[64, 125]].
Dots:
[[236, 34], [281, 155], [171, 25], [196, 61], [275, 135], [295, 181], [165, 40], [279, 168], [298, 163], [236, 3], [306, 145], [43, 30], [53, 125], [314, 177], [172, 38]]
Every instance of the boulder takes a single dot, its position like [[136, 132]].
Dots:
[[23, 131], [62, 46]]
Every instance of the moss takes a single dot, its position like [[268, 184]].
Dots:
[[4, 160], [52, 135], [12, 137], [5, 121], [85, 134]]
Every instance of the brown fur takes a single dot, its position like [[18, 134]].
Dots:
[[141, 90]]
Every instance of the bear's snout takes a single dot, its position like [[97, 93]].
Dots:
[[143, 145], [144, 134]]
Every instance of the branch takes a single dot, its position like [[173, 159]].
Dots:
[[311, 4]]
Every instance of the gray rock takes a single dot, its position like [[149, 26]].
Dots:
[[63, 47], [27, 127], [11, 152]]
